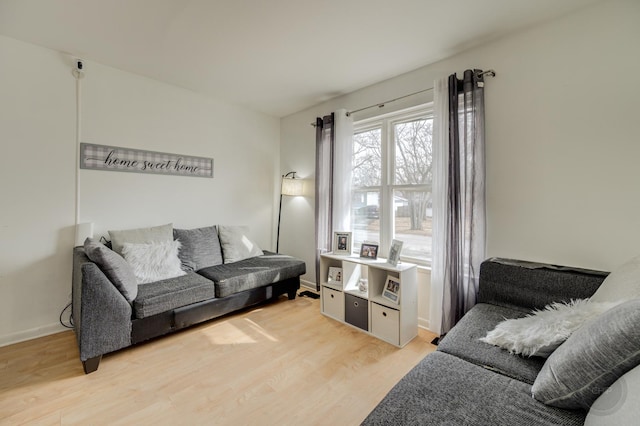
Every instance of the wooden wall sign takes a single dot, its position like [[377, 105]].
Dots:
[[117, 159]]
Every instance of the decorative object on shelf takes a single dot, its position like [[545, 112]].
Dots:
[[369, 251], [394, 252], [118, 159], [363, 284], [342, 243], [391, 289], [335, 276], [289, 185]]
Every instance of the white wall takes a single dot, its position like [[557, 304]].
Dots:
[[37, 125], [562, 140]]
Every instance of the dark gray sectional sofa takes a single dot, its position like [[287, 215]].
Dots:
[[469, 382], [105, 321]]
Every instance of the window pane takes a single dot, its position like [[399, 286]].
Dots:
[[367, 159], [365, 217], [413, 152], [412, 225]]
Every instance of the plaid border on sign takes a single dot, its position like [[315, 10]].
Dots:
[[114, 158]]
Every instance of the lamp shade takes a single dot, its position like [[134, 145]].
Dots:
[[291, 186], [83, 231]]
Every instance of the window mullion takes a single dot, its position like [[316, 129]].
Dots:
[[386, 218]]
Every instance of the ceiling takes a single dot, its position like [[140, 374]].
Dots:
[[273, 56]]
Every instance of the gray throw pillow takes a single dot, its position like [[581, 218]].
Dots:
[[200, 248], [154, 234], [119, 272], [236, 244], [591, 359]]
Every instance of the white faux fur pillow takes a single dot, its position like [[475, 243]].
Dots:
[[153, 261], [541, 332]]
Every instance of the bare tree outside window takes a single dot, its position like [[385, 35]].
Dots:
[[367, 158], [366, 180], [413, 164]]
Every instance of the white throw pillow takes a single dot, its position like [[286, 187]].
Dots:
[[622, 283], [236, 244], [153, 261], [541, 332], [618, 404]]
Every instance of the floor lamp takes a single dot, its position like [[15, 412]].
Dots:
[[292, 186]]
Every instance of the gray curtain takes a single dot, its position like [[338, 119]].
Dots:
[[325, 141], [464, 242]]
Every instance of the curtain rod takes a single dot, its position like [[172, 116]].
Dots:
[[489, 73]]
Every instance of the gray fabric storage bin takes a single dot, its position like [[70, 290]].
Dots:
[[356, 311]]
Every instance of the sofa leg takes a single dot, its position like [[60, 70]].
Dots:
[[291, 294], [91, 364]]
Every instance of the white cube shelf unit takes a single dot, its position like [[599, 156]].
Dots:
[[395, 323]]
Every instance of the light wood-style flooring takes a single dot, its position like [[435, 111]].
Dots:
[[277, 364]]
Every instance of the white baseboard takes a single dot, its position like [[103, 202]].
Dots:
[[308, 284], [22, 336], [424, 323]]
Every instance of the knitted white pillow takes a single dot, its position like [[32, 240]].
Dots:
[[541, 332], [153, 261]]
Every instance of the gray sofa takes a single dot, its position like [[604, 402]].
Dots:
[[469, 382], [106, 321]]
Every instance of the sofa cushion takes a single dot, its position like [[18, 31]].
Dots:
[[464, 341], [252, 273], [200, 247], [623, 283], [592, 359], [160, 296], [446, 390], [236, 244], [140, 235], [119, 272]]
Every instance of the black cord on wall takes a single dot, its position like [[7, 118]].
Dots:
[[70, 324]]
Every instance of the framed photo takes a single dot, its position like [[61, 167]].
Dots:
[[391, 290], [369, 251], [335, 275], [394, 252], [342, 243]]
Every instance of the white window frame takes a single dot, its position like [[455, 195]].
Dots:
[[386, 123]]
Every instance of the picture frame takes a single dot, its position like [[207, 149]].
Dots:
[[391, 290], [394, 252], [369, 251], [342, 243], [335, 276]]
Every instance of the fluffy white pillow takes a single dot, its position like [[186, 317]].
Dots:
[[541, 332], [153, 261], [622, 283]]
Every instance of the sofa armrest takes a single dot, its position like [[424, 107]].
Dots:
[[102, 316], [528, 285]]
